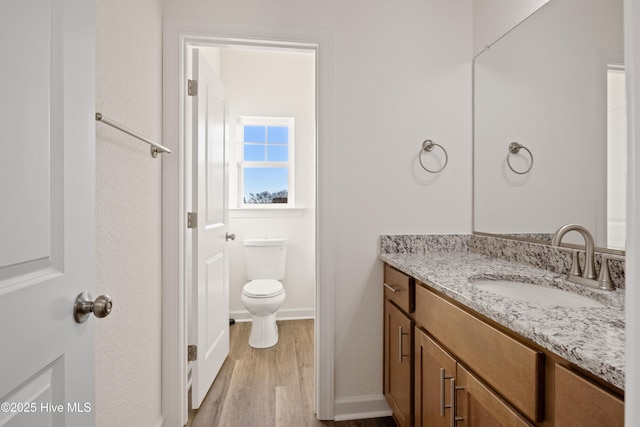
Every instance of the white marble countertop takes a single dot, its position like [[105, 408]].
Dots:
[[592, 338]]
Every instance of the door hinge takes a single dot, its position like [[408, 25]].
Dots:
[[192, 87], [192, 353], [192, 220]]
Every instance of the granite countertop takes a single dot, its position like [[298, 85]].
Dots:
[[592, 338]]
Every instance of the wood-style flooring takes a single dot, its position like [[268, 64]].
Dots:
[[270, 387]]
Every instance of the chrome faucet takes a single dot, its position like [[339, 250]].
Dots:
[[586, 277]]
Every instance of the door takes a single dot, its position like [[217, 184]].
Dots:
[[580, 402], [47, 225], [435, 372], [210, 276], [479, 406], [398, 366]]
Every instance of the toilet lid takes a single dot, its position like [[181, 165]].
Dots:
[[263, 288]]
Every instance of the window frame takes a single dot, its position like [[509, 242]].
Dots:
[[288, 122]]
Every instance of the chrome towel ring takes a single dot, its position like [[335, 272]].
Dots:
[[428, 145], [514, 148]]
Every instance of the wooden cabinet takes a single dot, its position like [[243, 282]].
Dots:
[[398, 369], [400, 289], [518, 377], [434, 368], [446, 365], [479, 406], [398, 345], [580, 402], [447, 394]]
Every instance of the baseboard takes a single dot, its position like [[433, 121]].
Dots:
[[357, 408], [283, 314]]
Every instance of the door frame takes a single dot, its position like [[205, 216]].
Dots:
[[177, 36]]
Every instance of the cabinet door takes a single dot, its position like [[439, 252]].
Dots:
[[398, 371], [434, 369], [579, 402], [478, 406], [510, 367]]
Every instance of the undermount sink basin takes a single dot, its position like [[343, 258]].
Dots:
[[536, 294]]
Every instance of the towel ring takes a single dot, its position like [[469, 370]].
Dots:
[[428, 145], [514, 148]]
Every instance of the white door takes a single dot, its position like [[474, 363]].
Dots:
[[47, 145], [210, 259]]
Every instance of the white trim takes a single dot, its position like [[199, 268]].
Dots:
[[289, 123], [174, 365], [325, 224], [282, 314], [159, 422], [632, 292], [271, 212], [176, 34], [362, 407], [604, 58]]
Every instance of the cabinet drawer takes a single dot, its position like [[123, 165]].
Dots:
[[513, 369], [579, 402], [399, 288]]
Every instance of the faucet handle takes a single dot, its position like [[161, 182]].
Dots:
[[604, 277], [575, 264]]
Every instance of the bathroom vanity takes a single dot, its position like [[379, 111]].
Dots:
[[458, 354]]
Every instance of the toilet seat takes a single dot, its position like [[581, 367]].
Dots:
[[263, 288]]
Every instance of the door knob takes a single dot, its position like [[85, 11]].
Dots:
[[100, 308], [231, 236]]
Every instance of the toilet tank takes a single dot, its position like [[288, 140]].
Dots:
[[265, 258]]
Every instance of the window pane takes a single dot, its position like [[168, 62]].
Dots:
[[254, 153], [277, 153], [254, 134], [278, 134], [266, 185]]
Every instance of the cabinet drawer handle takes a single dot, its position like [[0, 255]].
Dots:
[[454, 400], [391, 288], [443, 377], [400, 355]]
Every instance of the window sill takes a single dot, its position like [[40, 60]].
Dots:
[[266, 212]]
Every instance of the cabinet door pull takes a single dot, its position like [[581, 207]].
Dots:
[[391, 288], [454, 400], [443, 377], [400, 334]]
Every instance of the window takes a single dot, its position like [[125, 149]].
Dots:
[[266, 167]]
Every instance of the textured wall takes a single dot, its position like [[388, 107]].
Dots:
[[128, 239], [493, 18]]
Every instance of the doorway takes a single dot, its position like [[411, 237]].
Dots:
[[179, 36], [269, 104]]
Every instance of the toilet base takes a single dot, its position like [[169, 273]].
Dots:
[[264, 331]]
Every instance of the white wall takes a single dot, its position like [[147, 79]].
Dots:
[[274, 84], [128, 205], [400, 75]]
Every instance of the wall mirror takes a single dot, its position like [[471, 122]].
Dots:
[[555, 84]]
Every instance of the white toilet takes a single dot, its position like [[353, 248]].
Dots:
[[265, 261]]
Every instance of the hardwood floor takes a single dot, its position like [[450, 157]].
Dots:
[[270, 387]]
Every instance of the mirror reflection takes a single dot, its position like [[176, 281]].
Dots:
[[555, 85]]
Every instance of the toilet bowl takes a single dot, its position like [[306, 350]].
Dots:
[[263, 298], [263, 295]]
